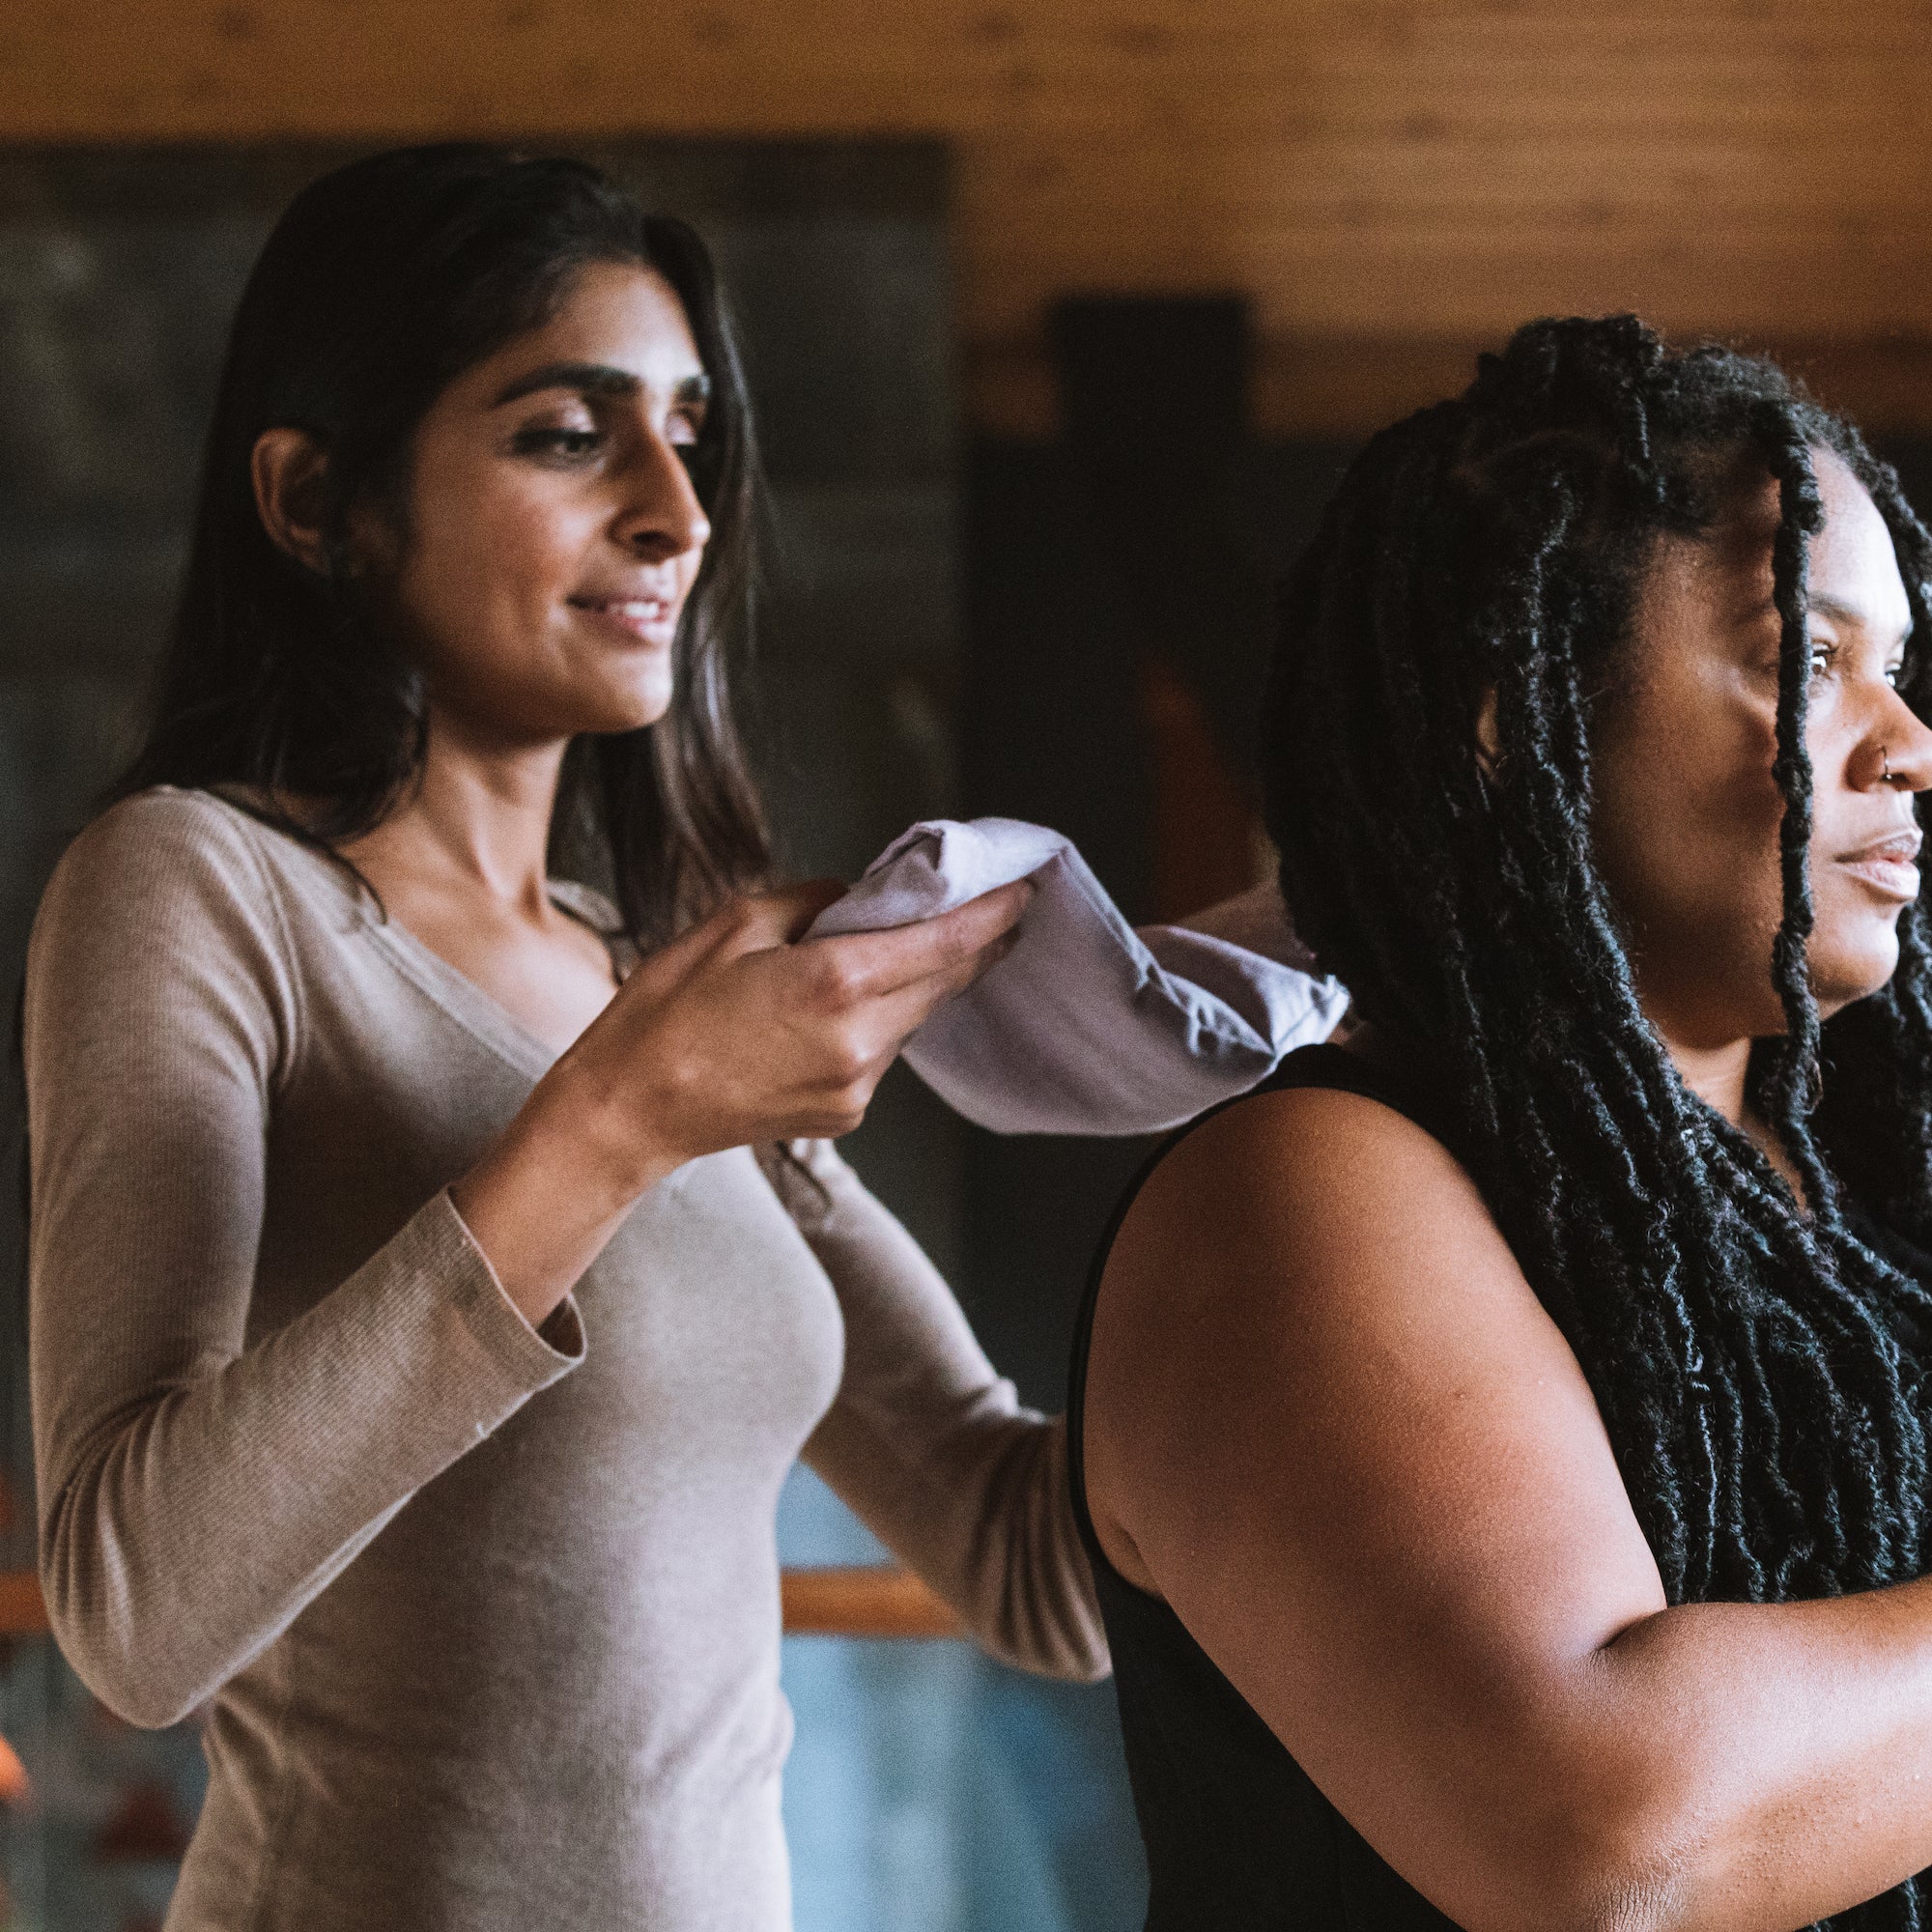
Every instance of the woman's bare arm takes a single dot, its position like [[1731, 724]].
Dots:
[[1328, 1421]]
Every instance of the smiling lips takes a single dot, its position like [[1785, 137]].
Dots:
[[1887, 863], [650, 620]]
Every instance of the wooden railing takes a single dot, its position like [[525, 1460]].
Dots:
[[878, 1600], [22, 1611], [874, 1601]]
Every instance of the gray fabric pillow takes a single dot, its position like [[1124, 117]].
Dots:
[[1088, 1027]]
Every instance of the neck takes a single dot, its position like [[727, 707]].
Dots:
[[1701, 1036], [1715, 1074], [479, 819]]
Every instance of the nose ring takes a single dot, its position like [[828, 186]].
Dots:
[[1887, 776]]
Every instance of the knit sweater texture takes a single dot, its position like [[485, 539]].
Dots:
[[483, 1619]]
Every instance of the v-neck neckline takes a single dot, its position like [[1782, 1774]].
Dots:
[[477, 1011]]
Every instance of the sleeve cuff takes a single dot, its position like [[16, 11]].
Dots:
[[531, 1356]]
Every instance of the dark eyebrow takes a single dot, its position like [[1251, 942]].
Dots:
[[594, 379], [588, 379]]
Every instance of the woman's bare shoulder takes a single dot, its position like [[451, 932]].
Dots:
[[1314, 1164], [1323, 1403], [1304, 1278]]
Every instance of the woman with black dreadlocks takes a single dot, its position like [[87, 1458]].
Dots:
[[1505, 1437]]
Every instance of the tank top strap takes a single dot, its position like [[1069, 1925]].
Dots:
[[1407, 1089]]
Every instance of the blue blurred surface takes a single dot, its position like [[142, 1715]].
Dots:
[[932, 1790]]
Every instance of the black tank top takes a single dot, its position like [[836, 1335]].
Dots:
[[1238, 1839]]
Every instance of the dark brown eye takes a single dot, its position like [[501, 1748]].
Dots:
[[568, 443]]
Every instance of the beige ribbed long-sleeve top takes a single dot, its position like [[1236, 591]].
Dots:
[[489, 1616]]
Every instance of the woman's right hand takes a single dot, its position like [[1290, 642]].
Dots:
[[738, 1031]]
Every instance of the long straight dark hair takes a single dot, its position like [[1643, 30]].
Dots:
[[383, 282]]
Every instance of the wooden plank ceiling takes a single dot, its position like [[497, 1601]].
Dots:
[[1391, 181]]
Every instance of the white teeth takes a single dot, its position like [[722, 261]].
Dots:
[[637, 609]]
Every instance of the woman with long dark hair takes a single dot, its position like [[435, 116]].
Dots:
[[1505, 1435], [436, 1258]]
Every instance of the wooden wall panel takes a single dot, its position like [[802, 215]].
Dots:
[[1386, 172]]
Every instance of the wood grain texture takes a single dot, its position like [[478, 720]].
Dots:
[[1396, 171]]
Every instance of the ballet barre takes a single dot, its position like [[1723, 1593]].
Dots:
[[868, 1600]]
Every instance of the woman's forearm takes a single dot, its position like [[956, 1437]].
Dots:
[[1761, 1766], [1714, 1767], [730, 1036], [188, 1525], [553, 1188]]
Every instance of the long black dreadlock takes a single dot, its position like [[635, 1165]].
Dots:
[[1757, 1367]]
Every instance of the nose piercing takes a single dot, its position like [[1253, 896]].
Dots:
[[1887, 776]]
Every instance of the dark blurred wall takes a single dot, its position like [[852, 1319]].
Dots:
[[1120, 583]]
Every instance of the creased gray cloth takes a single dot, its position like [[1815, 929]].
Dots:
[[1085, 1027]]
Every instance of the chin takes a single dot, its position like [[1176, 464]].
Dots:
[[629, 709], [1844, 975]]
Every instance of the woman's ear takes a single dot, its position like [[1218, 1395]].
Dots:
[[289, 467], [1488, 745]]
